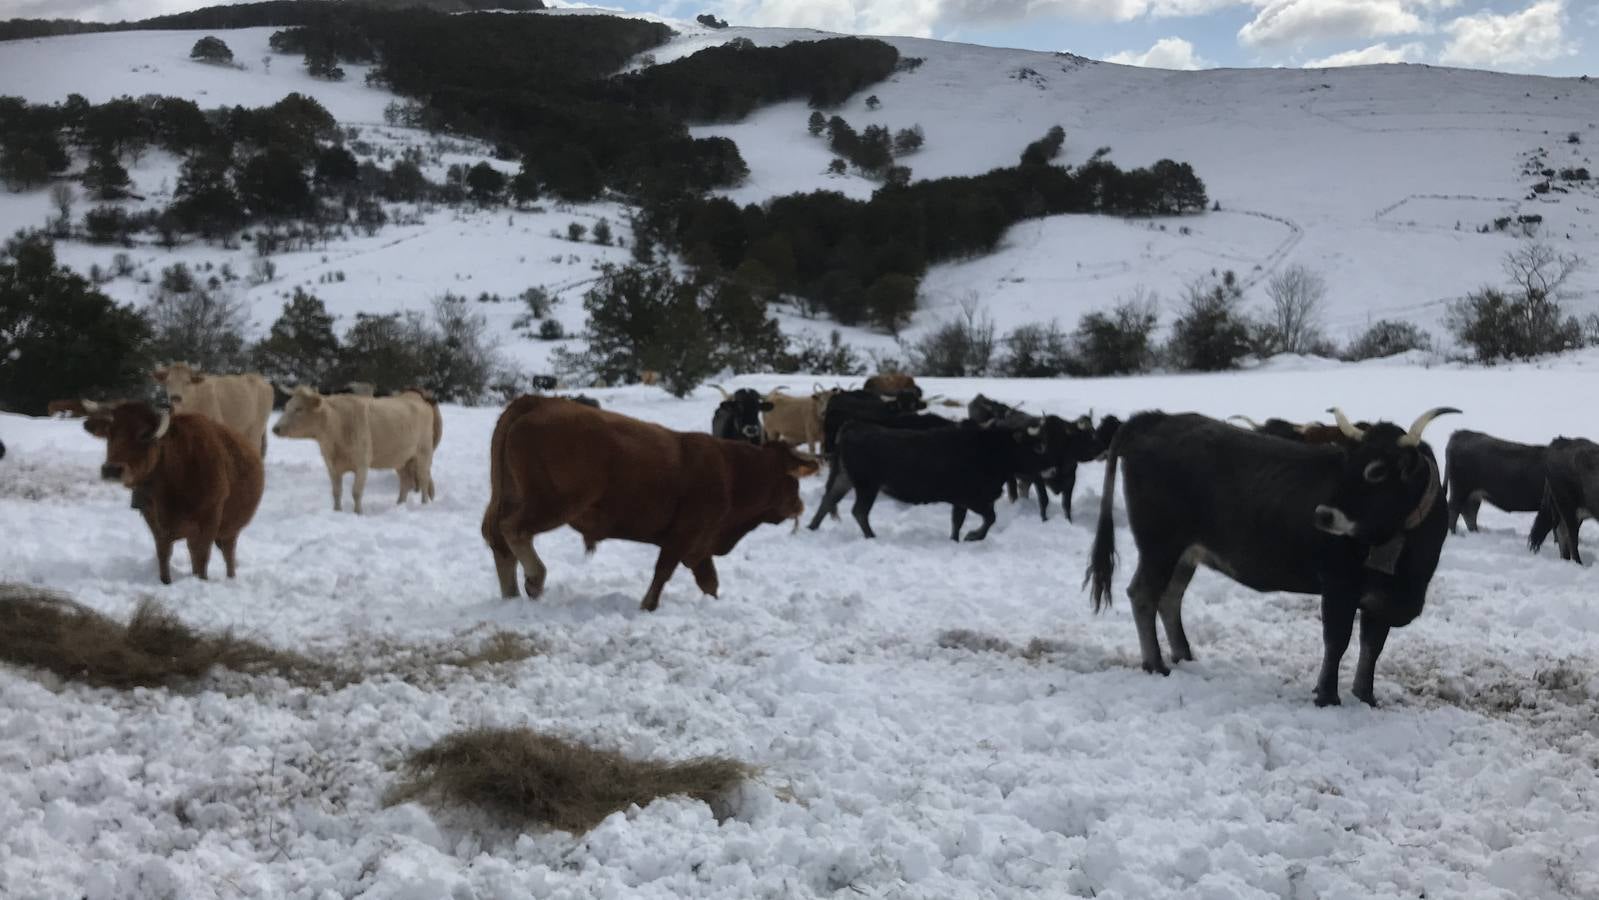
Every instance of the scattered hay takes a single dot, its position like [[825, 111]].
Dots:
[[499, 648], [522, 776], [48, 631]]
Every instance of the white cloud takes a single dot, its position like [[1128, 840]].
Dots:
[[1167, 53], [1283, 22], [1534, 35], [1370, 56]]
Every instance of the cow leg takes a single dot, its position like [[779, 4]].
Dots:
[[705, 576], [406, 473], [337, 478], [1337, 623], [1067, 487], [163, 557], [664, 564], [1373, 634], [987, 512], [1171, 609], [358, 487], [957, 518], [1145, 590], [521, 545], [200, 556], [1455, 503], [1043, 499], [838, 484], [1010, 489], [864, 498], [228, 545], [505, 569], [1470, 509]]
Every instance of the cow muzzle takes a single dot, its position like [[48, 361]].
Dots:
[[111, 472], [752, 431], [1333, 521]]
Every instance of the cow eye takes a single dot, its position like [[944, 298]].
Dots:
[[1376, 472]]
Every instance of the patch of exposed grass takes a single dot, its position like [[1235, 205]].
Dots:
[[525, 777], [45, 630]]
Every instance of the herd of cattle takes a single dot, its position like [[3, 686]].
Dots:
[[1348, 511]]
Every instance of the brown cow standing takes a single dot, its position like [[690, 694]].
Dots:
[[554, 462], [192, 479], [892, 383]]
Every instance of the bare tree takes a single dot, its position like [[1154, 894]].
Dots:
[[62, 196], [1538, 271], [1298, 295]]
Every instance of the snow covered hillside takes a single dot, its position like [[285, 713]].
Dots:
[[1379, 177], [932, 720]]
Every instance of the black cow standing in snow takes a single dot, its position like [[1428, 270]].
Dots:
[[1360, 524], [1480, 467], [1070, 443], [738, 416], [1570, 496]]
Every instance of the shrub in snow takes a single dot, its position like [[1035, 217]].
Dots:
[[551, 330], [602, 232], [212, 50], [1212, 333], [810, 354], [1387, 337], [197, 324], [59, 337], [1036, 351], [1119, 342], [1525, 321], [575, 231], [301, 347], [1046, 148], [105, 177], [1298, 295], [960, 348], [485, 184]]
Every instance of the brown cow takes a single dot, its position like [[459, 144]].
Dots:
[[796, 420], [891, 383], [357, 433], [553, 462], [241, 402], [191, 478]]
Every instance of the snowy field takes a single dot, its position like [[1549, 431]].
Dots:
[[931, 720], [1378, 177]]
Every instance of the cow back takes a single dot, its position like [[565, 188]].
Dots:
[[203, 464], [398, 428]]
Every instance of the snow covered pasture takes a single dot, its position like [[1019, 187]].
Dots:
[[932, 719]]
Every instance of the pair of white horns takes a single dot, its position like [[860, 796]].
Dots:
[[1410, 438]]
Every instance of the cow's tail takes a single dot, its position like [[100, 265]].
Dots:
[[498, 475], [1102, 559]]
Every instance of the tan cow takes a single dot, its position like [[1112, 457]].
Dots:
[[796, 420], [241, 402], [358, 433]]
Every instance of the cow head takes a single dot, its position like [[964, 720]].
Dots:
[[177, 378], [303, 415], [744, 407], [133, 434], [1389, 482]]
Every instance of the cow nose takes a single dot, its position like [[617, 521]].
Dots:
[[278, 430], [1324, 518], [111, 472]]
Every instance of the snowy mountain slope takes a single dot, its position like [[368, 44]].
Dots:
[[932, 720], [1379, 177]]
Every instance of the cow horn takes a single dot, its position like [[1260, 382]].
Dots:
[[1346, 426], [165, 423], [1413, 436], [1246, 420], [722, 389], [89, 407]]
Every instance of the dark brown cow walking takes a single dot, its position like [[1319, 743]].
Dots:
[[554, 462], [192, 479]]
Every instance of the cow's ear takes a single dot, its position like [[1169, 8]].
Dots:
[[766, 406], [99, 426]]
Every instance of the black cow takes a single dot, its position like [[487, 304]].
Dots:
[[1480, 467], [1277, 428], [1570, 496], [963, 466], [838, 481], [1070, 443], [545, 382], [738, 416], [1360, 524], [865, 406]]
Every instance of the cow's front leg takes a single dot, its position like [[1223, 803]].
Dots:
[[705, 576], [163, 557], [358, 487], [336, 478], [664, 564], [1337, 623], [1043, 499], [987, 512], [1373, 634]]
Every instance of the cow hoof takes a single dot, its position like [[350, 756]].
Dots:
[[1156, 668], [1328, 699], [975, 536], [1367, 697], [532, 588], [166, 579]]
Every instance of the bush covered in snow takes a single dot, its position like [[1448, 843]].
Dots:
[[1211, 334], [1526, 320], [1387, 337]]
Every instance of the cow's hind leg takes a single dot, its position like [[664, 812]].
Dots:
[[865, 496], [1373, 635], [664, 564], [1171, 608], [1470, 508], [200, 556], [519, 542], [1043, 499], [705, 576], [957, 518], [358, 487], [228, 546], [838, 484], [1145, 591]]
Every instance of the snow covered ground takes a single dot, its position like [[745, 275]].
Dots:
[[1377, 176], [932, 720]]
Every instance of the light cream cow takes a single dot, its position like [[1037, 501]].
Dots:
[[241, 402], [797, 420], [358, 433]]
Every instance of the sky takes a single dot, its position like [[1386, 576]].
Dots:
[[1548, 37]]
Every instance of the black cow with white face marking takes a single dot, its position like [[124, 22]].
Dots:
[[1570, 496], [738, 416], [1360, 523], [1480, 467]]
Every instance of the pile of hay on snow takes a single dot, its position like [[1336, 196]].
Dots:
[[522, 776], [46, 630]]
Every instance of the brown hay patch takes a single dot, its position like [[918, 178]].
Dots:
[[45, 630], [522, 776]]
